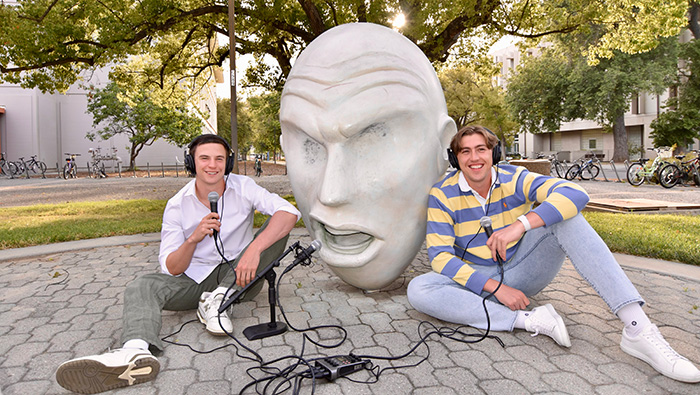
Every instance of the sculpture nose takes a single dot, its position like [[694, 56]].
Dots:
[[337, 181]]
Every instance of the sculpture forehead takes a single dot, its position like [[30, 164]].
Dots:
[[350, 59]]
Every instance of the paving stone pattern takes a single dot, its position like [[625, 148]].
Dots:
[[46, 320]]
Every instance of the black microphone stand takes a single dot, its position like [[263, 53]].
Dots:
[[273, 327]]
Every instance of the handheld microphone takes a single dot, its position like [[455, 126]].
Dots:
[[486, 223], [213, 204]]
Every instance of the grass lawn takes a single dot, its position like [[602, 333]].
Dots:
[[664, 236]]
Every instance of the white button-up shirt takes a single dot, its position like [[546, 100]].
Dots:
[[236, 208]]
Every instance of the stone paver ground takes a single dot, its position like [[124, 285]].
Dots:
[[46, 321]]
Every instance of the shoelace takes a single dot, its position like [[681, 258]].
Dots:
[[657, 340], [212, 305], [542, 327]]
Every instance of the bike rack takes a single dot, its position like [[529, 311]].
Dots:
[[600, 166], [612, 164]]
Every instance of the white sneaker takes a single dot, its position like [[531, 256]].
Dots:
[[546, 321], [208, 314], [98, 373], [651, 347]]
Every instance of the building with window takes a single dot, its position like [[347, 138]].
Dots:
[[50, 125], [577, 138]]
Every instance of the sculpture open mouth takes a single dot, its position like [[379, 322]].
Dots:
[[349, 242]]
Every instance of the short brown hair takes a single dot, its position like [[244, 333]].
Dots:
[[491, 139]]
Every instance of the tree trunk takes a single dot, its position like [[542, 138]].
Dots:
[[694, 14], [620, 137]]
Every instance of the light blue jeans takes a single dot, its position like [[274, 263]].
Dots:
[[536, 262]]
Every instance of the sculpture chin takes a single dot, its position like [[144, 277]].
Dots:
[[346, 248]]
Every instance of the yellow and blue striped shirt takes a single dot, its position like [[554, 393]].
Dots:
[[453, 218]]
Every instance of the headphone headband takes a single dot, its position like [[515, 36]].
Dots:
[[207, 139], [495, 151]]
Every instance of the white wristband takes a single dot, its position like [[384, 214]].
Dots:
[[525, 222]]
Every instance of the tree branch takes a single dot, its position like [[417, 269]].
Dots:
[[315, 19]]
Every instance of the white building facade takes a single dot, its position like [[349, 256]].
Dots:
[[577, 138], [51, 125]]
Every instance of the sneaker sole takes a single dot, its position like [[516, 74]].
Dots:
[[203, 321], [566, 341], [87, 376]]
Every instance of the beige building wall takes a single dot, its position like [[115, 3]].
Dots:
[[575, 139]]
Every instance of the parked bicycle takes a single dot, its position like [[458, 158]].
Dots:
[[672, 175], [7, 167], [97, 166], [36, 166], [70, 169], [585, 169], [641, 171], [559, 168]]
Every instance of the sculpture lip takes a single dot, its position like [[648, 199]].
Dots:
[[346, 246]]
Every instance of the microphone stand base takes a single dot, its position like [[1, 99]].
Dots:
[[261, 331]]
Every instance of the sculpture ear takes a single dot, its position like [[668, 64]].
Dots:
[[447, 129]]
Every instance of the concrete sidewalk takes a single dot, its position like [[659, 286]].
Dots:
[[63, 301]]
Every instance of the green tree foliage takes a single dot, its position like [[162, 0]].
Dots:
[[472, 98], [680, 122], [136, 115], [49, 43], [264, 110], [560, 85], [244, 127]]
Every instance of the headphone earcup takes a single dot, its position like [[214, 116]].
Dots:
[[452, 158], [229, 163], [189, 164], [496, 152]]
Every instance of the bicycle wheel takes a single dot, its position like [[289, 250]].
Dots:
[[14, 170], [42, 166], [590, 172], [557, 170], [669, 176], [573, 171], [66, 171], [633, 176]]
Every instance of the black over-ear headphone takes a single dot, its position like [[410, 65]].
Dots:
[[205, 139], [495, 153]]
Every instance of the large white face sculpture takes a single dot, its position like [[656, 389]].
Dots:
[[364, 128]]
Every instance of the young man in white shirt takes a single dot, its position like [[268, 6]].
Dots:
[[193, 273]]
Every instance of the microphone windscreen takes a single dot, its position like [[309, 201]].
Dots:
[[213, 197], [316, 244], [485, 222]]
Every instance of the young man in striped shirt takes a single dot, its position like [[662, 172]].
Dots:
[[533, 244]]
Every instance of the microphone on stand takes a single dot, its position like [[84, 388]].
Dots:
[[486, 223], [304, 255], [213, 204]]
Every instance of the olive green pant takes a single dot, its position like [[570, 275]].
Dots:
[[147, 296]]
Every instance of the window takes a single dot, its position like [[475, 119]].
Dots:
[[591, 140]]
